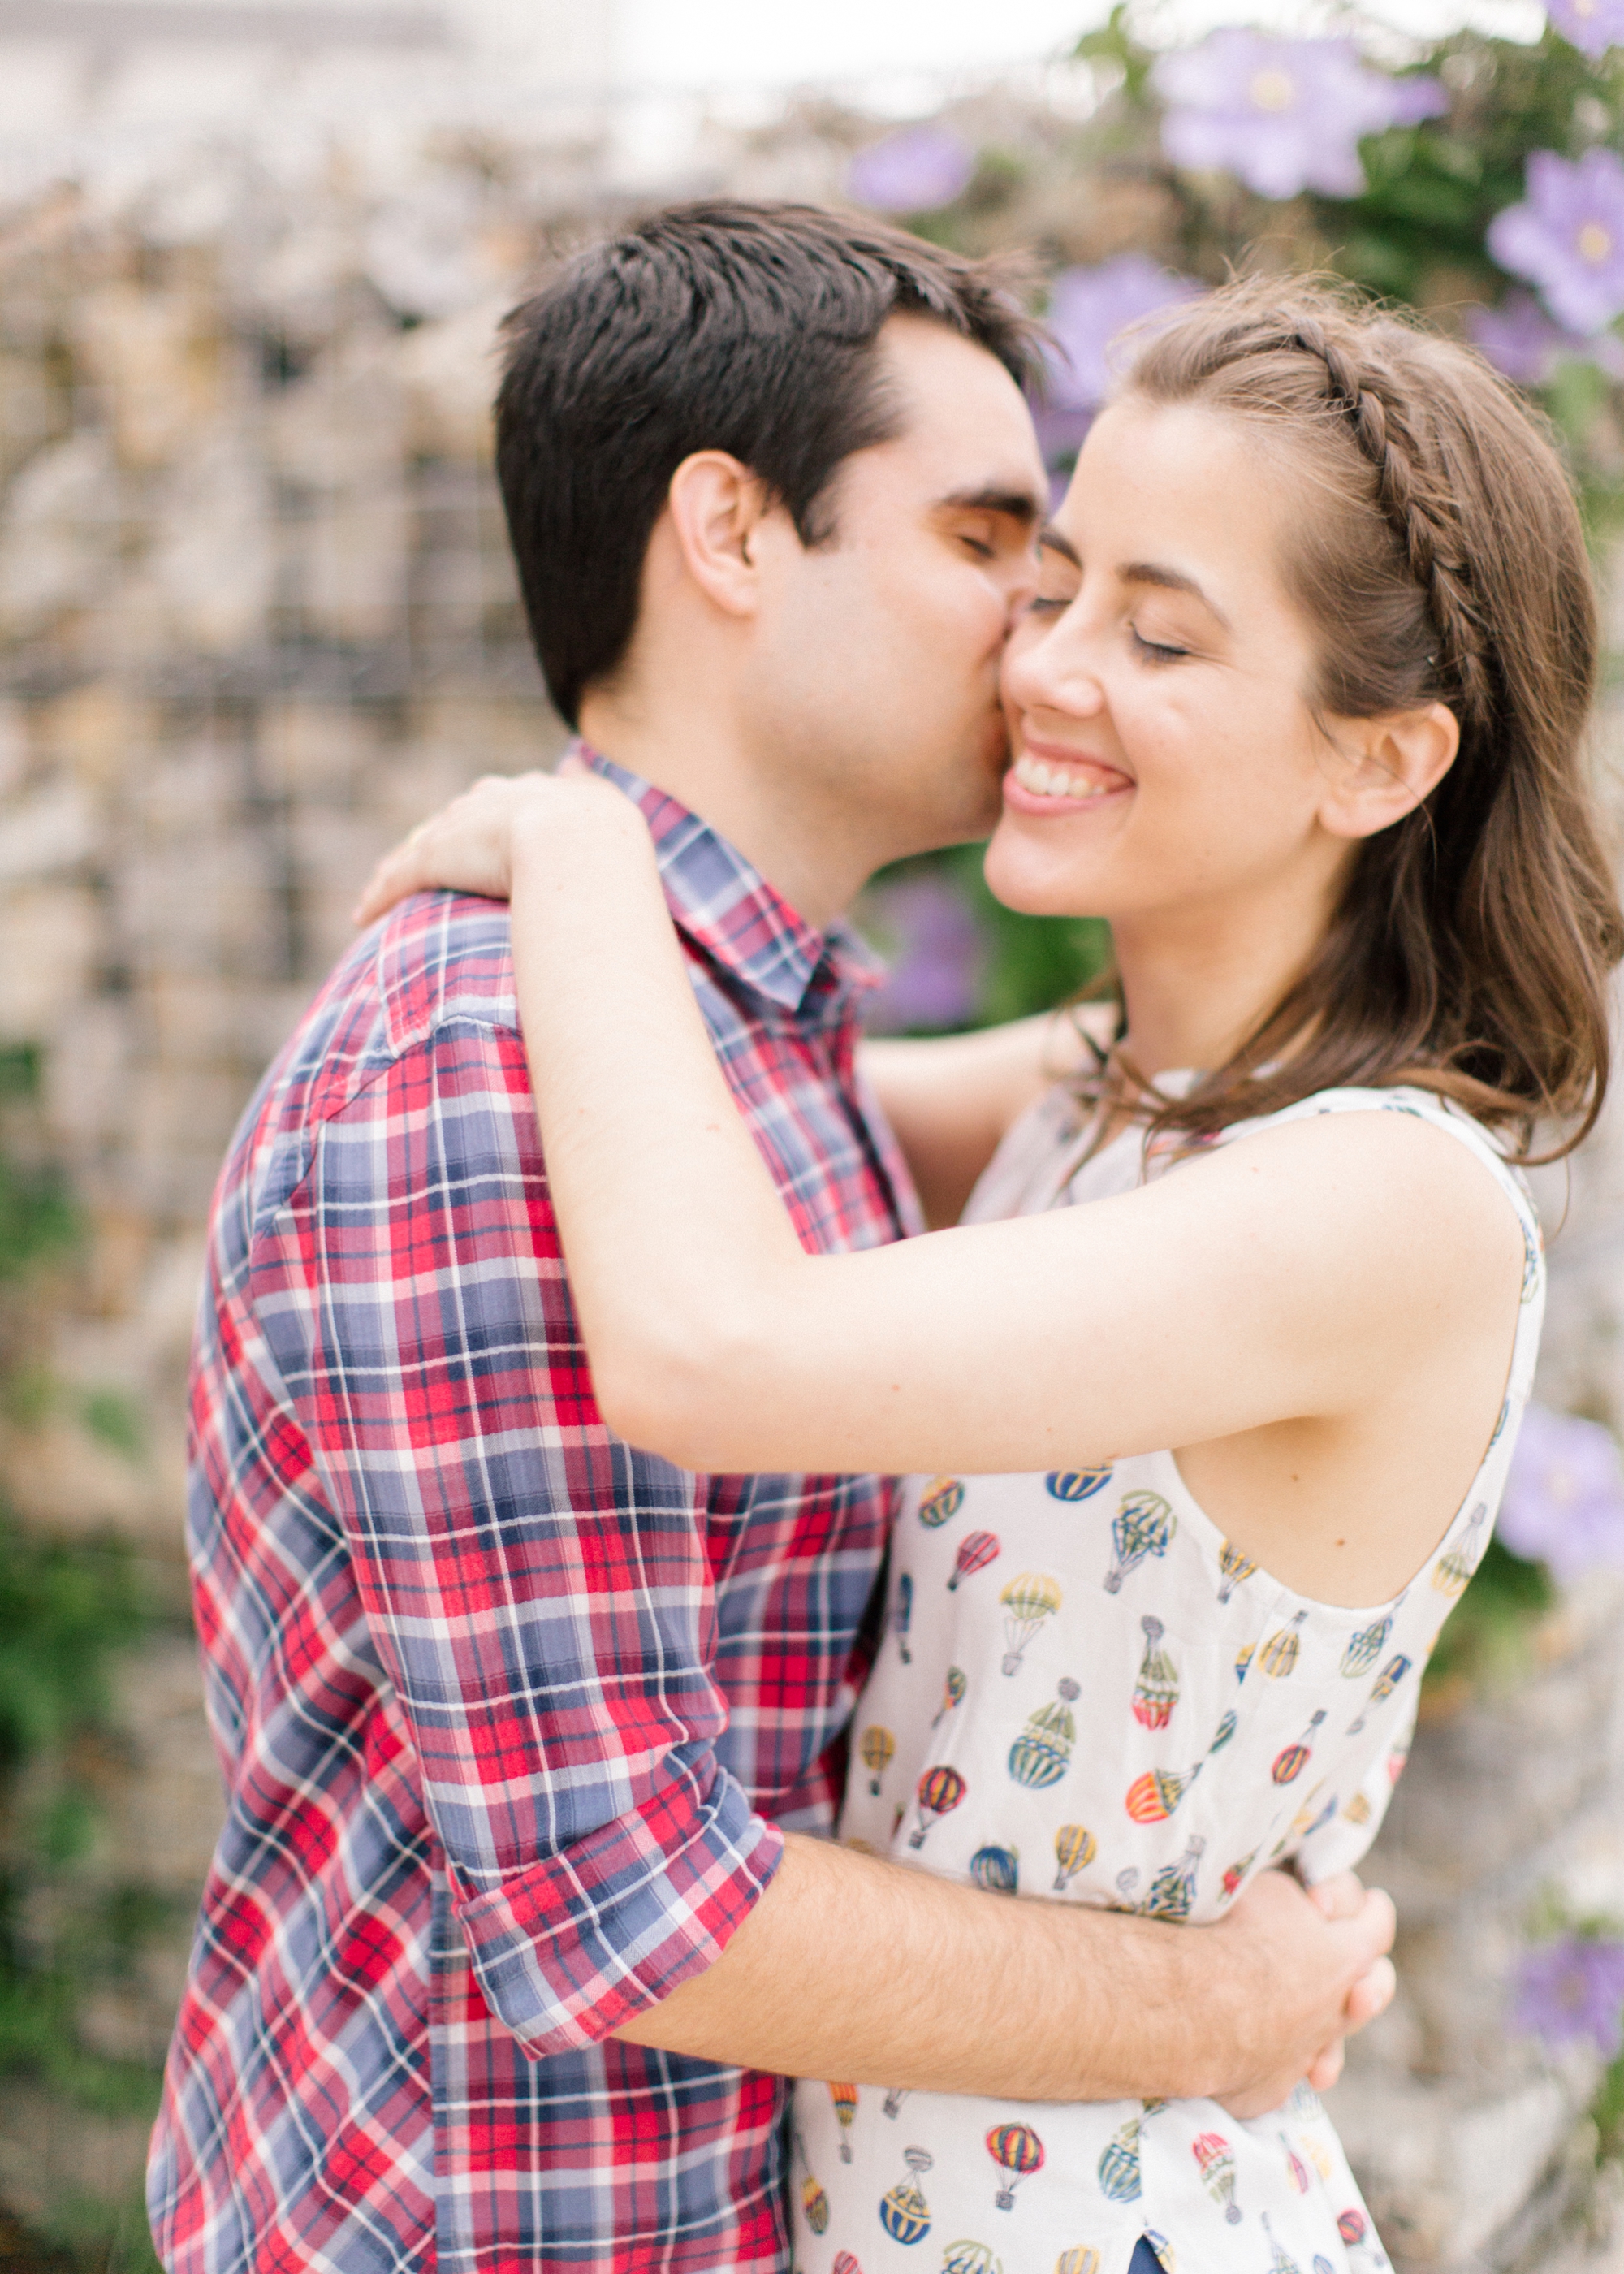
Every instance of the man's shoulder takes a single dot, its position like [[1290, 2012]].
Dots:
[[440, 961]]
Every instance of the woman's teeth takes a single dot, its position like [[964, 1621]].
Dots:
[[1058, 782]]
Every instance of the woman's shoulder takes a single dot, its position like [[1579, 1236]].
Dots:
[[1380, 1150]]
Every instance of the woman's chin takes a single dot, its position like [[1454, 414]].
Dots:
[[1036, 879]]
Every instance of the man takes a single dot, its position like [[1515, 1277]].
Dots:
[[516, 1923]]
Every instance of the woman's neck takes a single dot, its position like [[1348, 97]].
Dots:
[[1196, 982]]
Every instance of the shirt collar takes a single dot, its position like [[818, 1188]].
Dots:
[[724, 906]]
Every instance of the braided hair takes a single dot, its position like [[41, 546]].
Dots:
[[1443, 560]]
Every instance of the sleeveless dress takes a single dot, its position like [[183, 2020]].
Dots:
[[1086, 1692]]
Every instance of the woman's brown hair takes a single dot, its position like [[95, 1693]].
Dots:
[[1437, 552]]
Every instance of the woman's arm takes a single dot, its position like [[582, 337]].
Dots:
[[951, 1101], [1304, 1273]]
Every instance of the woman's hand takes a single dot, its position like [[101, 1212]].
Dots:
[[469, 846]]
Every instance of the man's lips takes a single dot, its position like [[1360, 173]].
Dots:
[[1051, 785]]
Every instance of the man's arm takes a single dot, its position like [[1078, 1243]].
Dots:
[[857, 1968], [951, 1099]]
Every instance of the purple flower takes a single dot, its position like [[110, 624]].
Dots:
[[1567, 236], [1520, 339], [1593, 25], [1285, 115], [1573, 1988], [1563, 1503], [914, 170], [1088, 311], [937, 956]]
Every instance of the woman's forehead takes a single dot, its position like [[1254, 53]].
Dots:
[[1177, 480]]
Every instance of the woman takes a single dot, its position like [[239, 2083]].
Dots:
[[1215, 1391]]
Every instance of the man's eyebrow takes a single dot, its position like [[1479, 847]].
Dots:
[[1053, 540], [1020, 505], [1171, 580]]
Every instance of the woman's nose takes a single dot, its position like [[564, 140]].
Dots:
[[1049, 673]]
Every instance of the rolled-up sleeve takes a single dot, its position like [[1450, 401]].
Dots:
[[537, 1592]]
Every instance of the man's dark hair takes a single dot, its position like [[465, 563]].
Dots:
[[720, 325]]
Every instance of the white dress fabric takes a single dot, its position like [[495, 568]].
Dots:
[[1085, 1692]]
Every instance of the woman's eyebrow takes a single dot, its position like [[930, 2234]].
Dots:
[[1171, 580]]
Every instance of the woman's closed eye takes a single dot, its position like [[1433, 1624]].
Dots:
[[1156, 651]]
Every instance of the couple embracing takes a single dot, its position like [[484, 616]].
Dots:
[[571, 1309]]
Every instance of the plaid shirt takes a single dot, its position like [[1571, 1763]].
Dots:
[[510, 1712]]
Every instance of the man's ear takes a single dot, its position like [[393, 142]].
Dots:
[[1389, 766], [716, 504]]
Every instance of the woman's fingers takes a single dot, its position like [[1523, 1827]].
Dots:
[[467, 847]]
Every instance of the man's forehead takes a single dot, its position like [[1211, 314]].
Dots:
[[963, 423]]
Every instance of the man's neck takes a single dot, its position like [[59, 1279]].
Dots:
[[814, 862]]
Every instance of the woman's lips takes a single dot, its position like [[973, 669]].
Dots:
[[1050, 786]]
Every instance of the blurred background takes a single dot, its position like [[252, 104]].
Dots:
[[257, 617]]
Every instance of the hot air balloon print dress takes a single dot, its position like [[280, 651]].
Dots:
[[1104, 1700]]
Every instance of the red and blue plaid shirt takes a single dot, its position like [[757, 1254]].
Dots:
[[510, 1712]]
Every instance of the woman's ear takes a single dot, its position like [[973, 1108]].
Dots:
[[715, 504], [1390, 765]]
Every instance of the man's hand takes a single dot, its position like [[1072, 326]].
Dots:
[[1296, 1972]]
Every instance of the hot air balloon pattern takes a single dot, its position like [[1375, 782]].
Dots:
[[894, 2098], [1292, 1759], [976, 1551], [844, 2263], [1365, 1648], [1305, 1823], [943, 1497], [1279, 1655], [1322, 2265], [1452, 1571], [1242, 1663], [877, 1748], [1281, 2262], [952, 1693], [902, 1617], [1358, 1810], [1236, 1873], [1152, 1797], [1352, 2225], [1075, 1847], [1225, 1730], [1234, 1565], [1298, 2168], [1172, 1891], [904, 2212], [1119, 2163], [1144, 1525], [816, 2203], [845, 2099], [1392, 1674], [1028, 1599], [1076, 1484], [1216, 2161], [1040, 1756], [1080, 2261], [941, 1790], [1155, 1693], [1018, 2152], [970, 2258], [998, 1870]]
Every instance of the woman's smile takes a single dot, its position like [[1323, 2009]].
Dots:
[[1048, 781]]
